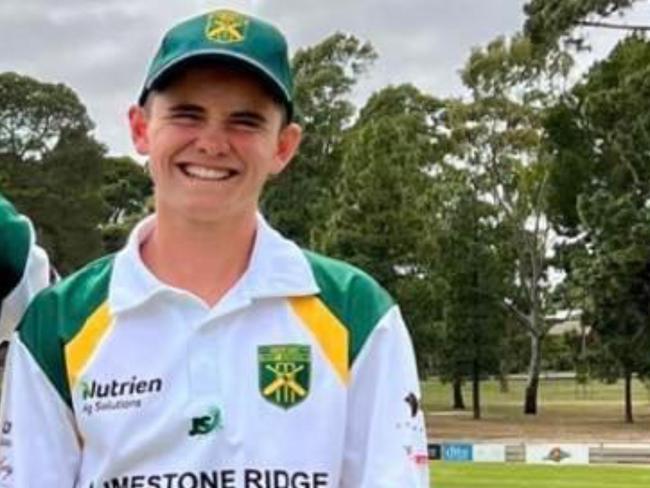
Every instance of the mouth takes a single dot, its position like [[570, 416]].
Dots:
[[204, 173]]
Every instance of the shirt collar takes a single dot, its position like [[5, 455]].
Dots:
[[277, 268]]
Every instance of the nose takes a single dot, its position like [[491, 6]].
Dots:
[[213, 141]]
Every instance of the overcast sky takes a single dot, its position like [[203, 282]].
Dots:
[[101, 48]]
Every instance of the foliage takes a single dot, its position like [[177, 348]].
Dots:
[[34, 116], [600, 182], [473, 279], [60, 194], [549, 20], [497, 137], [127, 193], [299, 200], [81, 202]]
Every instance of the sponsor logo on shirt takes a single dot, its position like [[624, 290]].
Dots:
[[419, 458], [5, 437], [225, 478], [284, 373], [6, 471], [207, 423], [413, 402], [117, 395]]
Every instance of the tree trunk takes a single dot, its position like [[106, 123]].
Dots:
[[459, 403], [504, 386], [629, 418], [476, 391], [430, 364], [530, 402]]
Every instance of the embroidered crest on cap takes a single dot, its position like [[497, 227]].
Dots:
[[226, 26]]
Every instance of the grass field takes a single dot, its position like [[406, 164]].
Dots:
[[567, 412], [474, 475], [437, 396]]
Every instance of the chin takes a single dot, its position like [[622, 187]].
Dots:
[[211, 214]]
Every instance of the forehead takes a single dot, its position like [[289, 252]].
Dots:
[[215, 81]]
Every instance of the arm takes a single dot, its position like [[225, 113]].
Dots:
[[39, 445], [385, 440]]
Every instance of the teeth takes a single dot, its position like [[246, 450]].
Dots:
[[206, 173]]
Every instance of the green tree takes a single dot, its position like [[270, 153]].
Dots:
[[549, 20], [34, 116], [382, 207], [52, 166], [600, 186], [62, 197], [381, 203], [126, 190], [298, 201], [473, 278], [498, 137]]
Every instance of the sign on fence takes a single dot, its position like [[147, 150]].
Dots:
[[457, 452], [557, 453], [434, 451], [489, 453]]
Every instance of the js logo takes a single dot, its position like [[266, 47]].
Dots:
[[207, 423]]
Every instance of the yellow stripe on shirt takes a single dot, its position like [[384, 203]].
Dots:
[[82, 347], [332, 336]]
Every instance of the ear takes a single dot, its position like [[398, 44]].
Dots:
[[288, 143], [138, 122]]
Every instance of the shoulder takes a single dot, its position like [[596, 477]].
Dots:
[[15, 242], [70, 301], [352, 295], [57, 313]]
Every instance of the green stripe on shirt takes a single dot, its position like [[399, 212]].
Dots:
[[356, 299], [57, 315]]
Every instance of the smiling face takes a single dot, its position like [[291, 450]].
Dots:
[[213, 136]]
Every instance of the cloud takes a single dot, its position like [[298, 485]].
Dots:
[[102, 48]]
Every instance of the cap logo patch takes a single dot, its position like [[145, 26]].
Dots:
[[226, 27]]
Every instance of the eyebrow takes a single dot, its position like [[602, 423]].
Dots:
[[249, 115], [187, 108]]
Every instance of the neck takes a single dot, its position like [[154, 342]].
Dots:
[[204, 258]]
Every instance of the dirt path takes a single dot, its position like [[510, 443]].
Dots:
[[555, 423]]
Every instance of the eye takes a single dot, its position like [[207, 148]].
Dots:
[[185, 116], [247, 120], [247, 123]]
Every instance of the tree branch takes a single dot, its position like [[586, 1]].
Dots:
[[609, 25], [523, 318]]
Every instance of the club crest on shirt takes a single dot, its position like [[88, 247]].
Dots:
[[284, 373], [226, 26]]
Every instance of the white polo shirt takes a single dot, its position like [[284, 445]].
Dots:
[[301, 376], [24, 267]]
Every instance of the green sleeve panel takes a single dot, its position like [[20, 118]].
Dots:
[[56, 315], [354, 297], [15, 239]]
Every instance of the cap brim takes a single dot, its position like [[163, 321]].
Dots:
[[173, 68]]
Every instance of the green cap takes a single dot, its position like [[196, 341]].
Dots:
[[226, 36]]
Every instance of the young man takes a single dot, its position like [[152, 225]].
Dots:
[[211, 351], [24, 269]]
